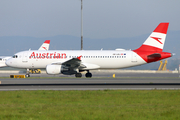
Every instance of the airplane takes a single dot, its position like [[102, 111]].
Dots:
[[71, 62], [3, 59]]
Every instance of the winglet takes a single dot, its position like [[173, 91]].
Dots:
[[79, 57]]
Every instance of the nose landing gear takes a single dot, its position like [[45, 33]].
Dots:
[[27, 73]]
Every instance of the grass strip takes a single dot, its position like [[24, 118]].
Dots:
[[90, 105]]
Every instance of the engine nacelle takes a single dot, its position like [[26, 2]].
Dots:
[[53, 69], [59, 69]]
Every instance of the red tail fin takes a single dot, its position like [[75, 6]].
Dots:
[[151, 49], [155, 42]]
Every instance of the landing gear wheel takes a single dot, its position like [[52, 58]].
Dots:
[[79, 75], [27, 75], [88, 75]]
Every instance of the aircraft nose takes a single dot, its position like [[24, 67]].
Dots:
[[8, 62]]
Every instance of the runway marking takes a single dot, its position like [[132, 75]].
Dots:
[[64, 89], [91, 84]]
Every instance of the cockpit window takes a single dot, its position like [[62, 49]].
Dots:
[[15, 56]]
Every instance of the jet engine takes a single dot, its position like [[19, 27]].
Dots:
[[53, 69], [59, 69]]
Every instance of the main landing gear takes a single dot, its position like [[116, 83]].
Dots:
[[88, 75], [78, 75]]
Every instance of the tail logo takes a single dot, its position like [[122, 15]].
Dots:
[[157, 39], [44, 48]]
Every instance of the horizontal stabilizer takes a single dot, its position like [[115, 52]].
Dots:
[[155, 55]]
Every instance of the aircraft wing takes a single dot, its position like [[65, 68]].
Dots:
[[76, 63], [73, 63]]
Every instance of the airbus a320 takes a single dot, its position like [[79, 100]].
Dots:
[[71, 62]]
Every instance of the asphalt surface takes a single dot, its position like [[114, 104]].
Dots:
[[99, 81]]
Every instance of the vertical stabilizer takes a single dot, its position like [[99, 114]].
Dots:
[[155, 42], [45, 45]]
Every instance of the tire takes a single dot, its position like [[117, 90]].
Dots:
[[88, 75], [79, 75], [27, 75]]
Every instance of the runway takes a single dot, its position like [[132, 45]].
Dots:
[[140, 81]]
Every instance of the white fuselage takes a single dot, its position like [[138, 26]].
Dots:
[[93, 59]]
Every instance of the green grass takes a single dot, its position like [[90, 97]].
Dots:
[[90, 105]]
